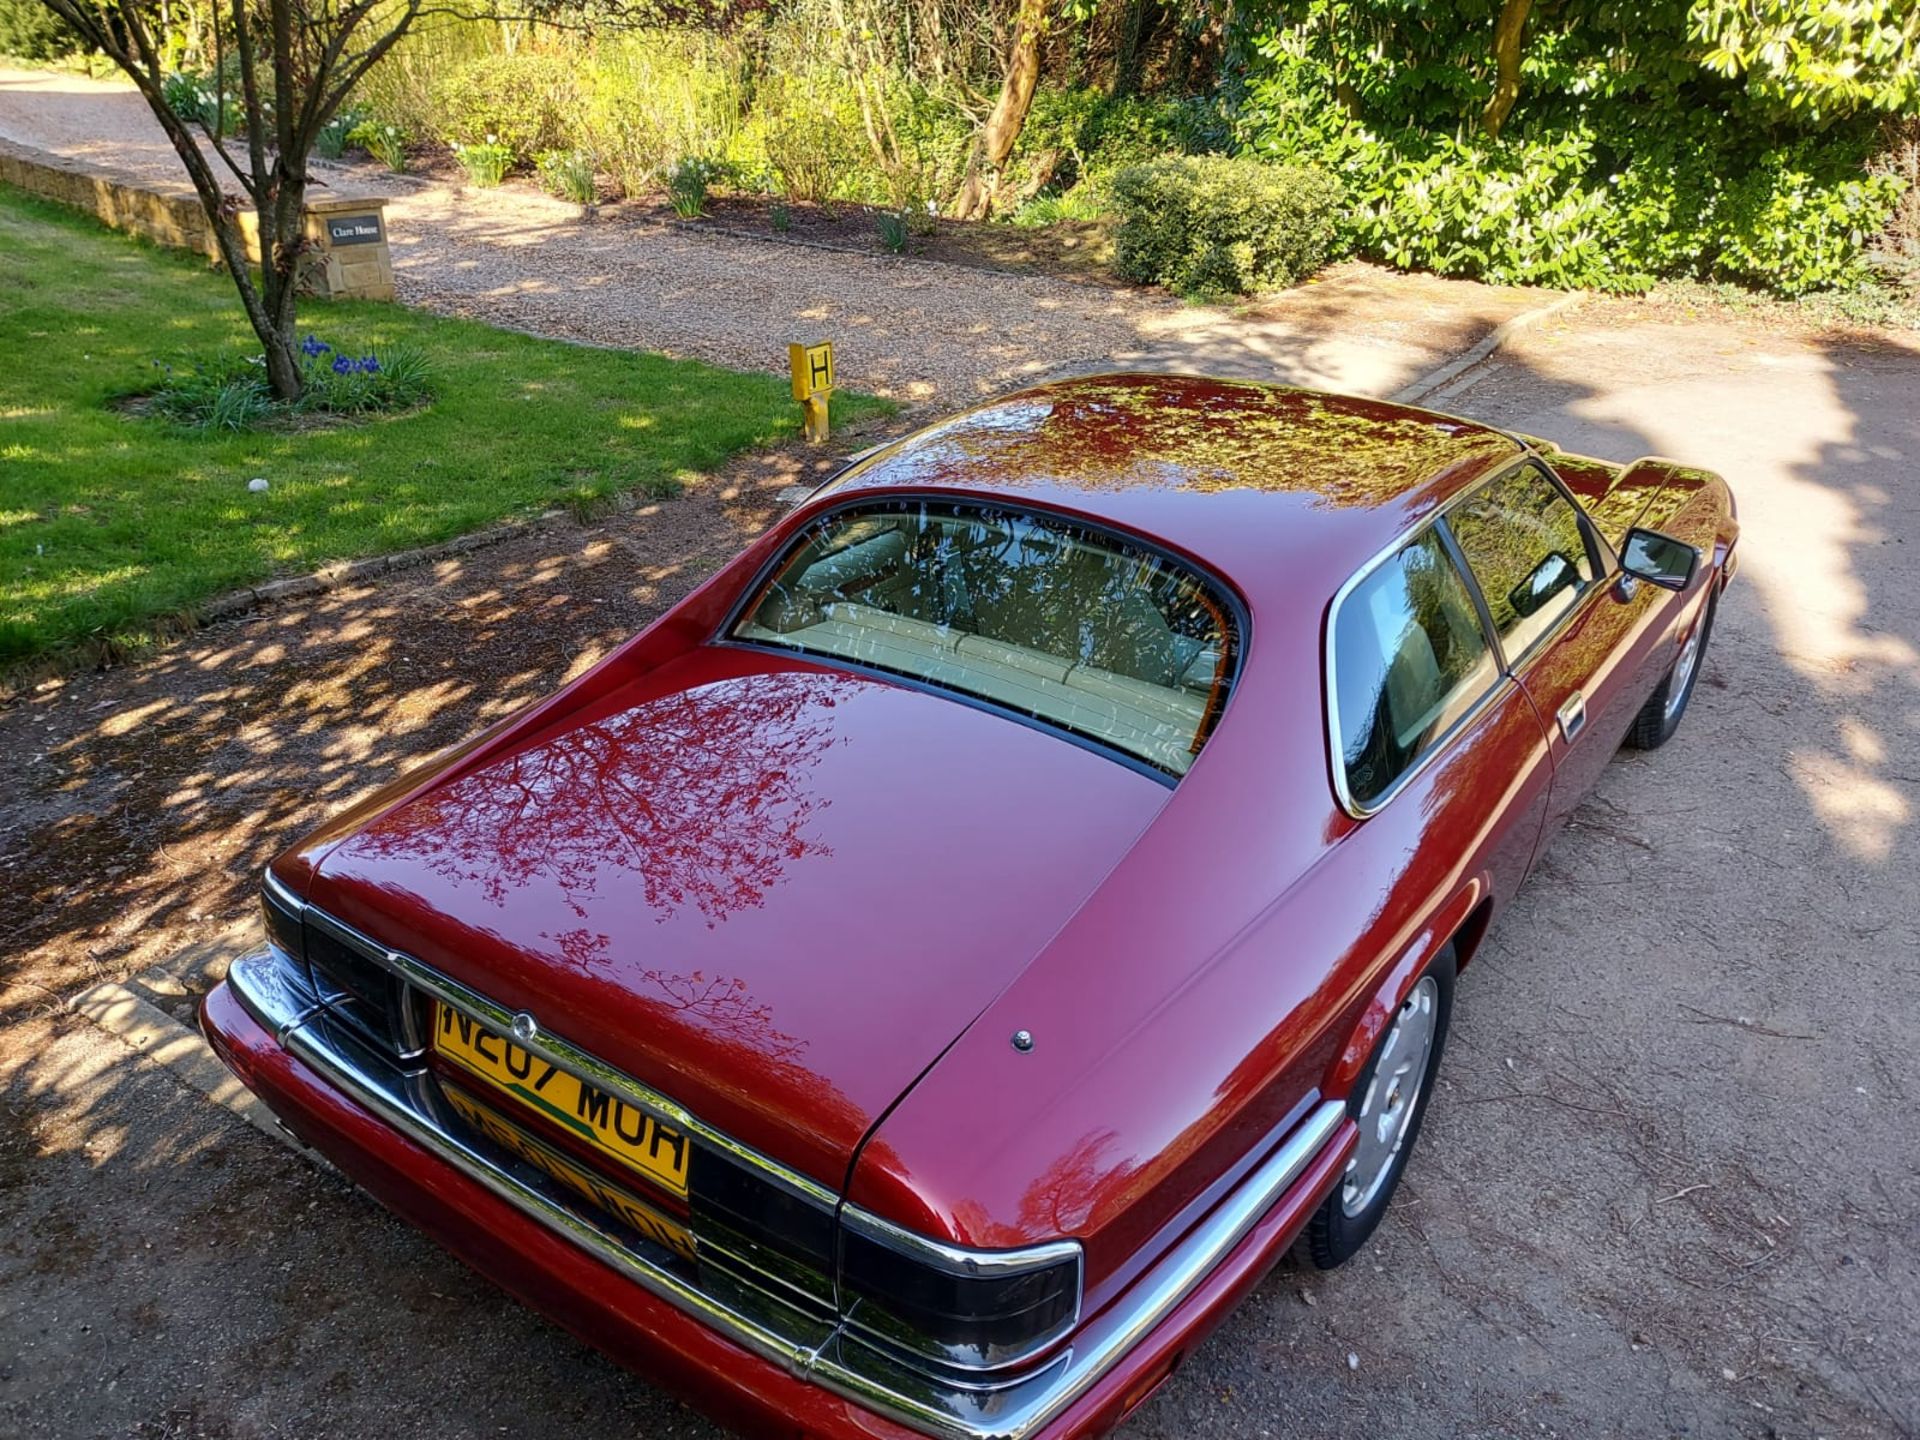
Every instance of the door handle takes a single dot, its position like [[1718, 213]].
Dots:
[[1573, 715]]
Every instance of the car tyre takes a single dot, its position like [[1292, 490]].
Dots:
[[1400, 1073], [1662, 713]]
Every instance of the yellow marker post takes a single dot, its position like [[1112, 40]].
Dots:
[[812, 367]]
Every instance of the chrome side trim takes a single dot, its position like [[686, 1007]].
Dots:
[[825, 1352], [277, 888], [955, 1258]]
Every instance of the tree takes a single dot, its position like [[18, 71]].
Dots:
[[1820, 57], [295, 62], [993, 147], [1508, 32]]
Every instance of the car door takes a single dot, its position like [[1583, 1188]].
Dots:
[[1575, 638]]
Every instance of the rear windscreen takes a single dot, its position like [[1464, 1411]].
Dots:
[[1073, 627]]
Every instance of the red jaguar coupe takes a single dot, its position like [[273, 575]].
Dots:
[[919, 984]]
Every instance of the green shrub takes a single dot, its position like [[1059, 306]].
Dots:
[[1208, 224], [486, 164], [400, 90], [652, 97], [687, 188], [1083, 202], [891, 229], [570, 175], [1090, 137], [330, 143], [1795, 225], [1623, 163], [1605, 206], [1133, 129], [384, 141], [29, 30], [1517, 212], [1896, 253], [809, 160], [814, 142], [527, 102], [197, 98], [934, 138]]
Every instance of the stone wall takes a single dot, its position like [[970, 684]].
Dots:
[[173, 217], [166, 218]]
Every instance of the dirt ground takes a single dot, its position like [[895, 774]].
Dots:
[[1668, 1186]]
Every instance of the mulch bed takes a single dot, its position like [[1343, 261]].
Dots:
[[1068, 249], [1073, 250]]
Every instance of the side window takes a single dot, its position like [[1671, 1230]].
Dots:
[[1525, 546], [1409, 659]]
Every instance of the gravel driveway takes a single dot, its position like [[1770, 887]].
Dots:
[[920, 331]]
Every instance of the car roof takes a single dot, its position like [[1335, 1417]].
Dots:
[[1284, 491]]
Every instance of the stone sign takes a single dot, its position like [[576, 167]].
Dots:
[[349, 258], [354, 229]]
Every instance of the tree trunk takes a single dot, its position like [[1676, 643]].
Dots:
[[283, 244], [283, 365], [994, 147], [1507, 33], [1128, 40]]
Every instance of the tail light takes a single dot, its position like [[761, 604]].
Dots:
[[969, 1309]]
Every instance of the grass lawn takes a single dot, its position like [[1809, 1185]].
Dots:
[[109, 524]]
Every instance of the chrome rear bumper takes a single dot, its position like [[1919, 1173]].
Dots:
[[796, 1337]]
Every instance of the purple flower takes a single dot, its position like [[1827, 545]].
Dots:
[[313, 347], [343, 366]]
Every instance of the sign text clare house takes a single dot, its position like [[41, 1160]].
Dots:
[[354, 229]]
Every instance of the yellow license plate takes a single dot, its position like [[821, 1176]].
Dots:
[[607, 1123], [637, 1214]]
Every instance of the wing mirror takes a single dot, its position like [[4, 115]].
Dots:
[[1659, 559], [1547, 579]]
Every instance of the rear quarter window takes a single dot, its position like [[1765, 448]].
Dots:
[[1079, 629], [1409, 659]]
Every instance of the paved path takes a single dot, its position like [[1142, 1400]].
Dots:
[[924, 332]]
